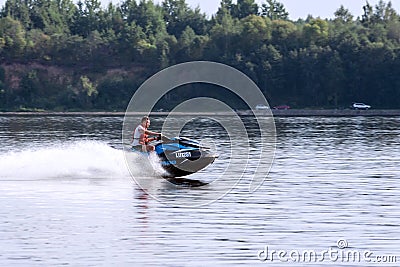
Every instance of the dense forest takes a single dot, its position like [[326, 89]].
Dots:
[[62, 56]]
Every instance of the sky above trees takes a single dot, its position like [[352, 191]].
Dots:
[[300, 9], [296, 8]]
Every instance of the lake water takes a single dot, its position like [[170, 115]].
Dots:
[[67, 197]]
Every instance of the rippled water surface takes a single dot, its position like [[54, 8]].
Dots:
[[67, 197]]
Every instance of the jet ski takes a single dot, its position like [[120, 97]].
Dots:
[[181, 156]]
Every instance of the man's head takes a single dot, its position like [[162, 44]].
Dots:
[[145, 121]]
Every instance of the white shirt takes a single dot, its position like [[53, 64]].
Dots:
[[136, 135]]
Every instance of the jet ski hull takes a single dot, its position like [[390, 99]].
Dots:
[[184, 166], [181, 157]]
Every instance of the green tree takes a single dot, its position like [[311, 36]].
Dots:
[[366, 18], [255, 31], [149, 17], [110, 28], [384, 12], [225, 8], [87, 92], [178, 15], [269, 70], [38, 45], [343, 15], [284, 34], [128, 9], [381, 13], [379, 21], [274, 10], [129, 39], [174, 12], [12, 37], [29, 89], [393, 31], [224, 38], [88, 87], [86, 17], [191, 46], [244, 8], [18, 10], [66, 10], [52, 16], [316, 31]]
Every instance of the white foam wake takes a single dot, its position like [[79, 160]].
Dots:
[[82, 159]]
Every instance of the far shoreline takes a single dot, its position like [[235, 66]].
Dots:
[[275, 113]]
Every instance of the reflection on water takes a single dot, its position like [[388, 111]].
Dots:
[[332, 178]]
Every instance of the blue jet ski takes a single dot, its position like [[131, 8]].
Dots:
[[181, 156]]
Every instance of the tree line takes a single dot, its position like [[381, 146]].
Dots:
[[57, 55]]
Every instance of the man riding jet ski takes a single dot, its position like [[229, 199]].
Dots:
[[179, 156]]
